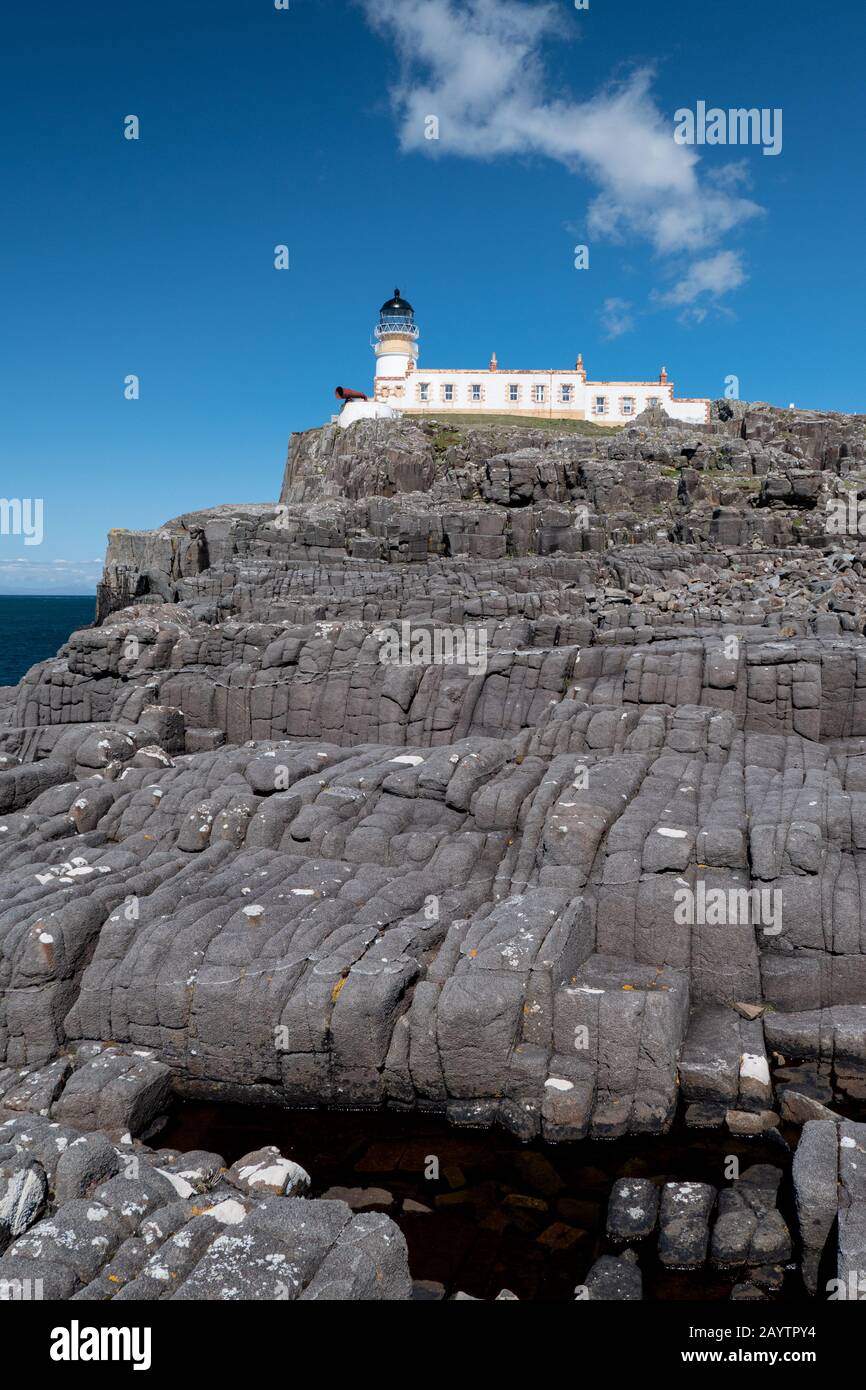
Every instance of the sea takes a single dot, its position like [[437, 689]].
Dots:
[[35, 626]]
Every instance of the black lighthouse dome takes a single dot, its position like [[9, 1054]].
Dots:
[[396, 319], [397, 308]]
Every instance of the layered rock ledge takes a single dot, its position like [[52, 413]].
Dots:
[[599, 850]]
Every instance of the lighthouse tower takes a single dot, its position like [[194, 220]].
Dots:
[[396, 348]]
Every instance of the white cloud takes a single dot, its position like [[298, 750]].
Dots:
[[476, 65], [616, 318], [705, 282]]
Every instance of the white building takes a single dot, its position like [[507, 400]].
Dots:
[[403, 387]]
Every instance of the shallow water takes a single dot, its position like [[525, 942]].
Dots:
[[529, 1218]]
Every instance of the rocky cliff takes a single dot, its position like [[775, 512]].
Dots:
[[236, 837]]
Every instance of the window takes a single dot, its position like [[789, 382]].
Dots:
[[513, 392], [567, 391], [600, 405], [628, 405], [423, 390], [475, 391], [538, 394], [652, 400], [448, 392]]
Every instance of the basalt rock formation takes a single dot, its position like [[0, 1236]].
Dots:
[[592, 846]]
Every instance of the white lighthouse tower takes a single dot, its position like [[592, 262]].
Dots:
[[396, 347]]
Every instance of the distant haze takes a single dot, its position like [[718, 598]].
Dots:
[[21, 576]]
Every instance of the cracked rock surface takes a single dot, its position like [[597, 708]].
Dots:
[[523, 878]]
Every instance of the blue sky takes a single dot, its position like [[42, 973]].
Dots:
[[304, 126]]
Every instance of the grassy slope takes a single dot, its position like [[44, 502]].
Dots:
[[457, 421]]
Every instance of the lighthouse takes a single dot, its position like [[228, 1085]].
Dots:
[[551, 393], [396, 348]]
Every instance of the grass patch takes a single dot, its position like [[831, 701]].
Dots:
[[458, 423], [443, 438]]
